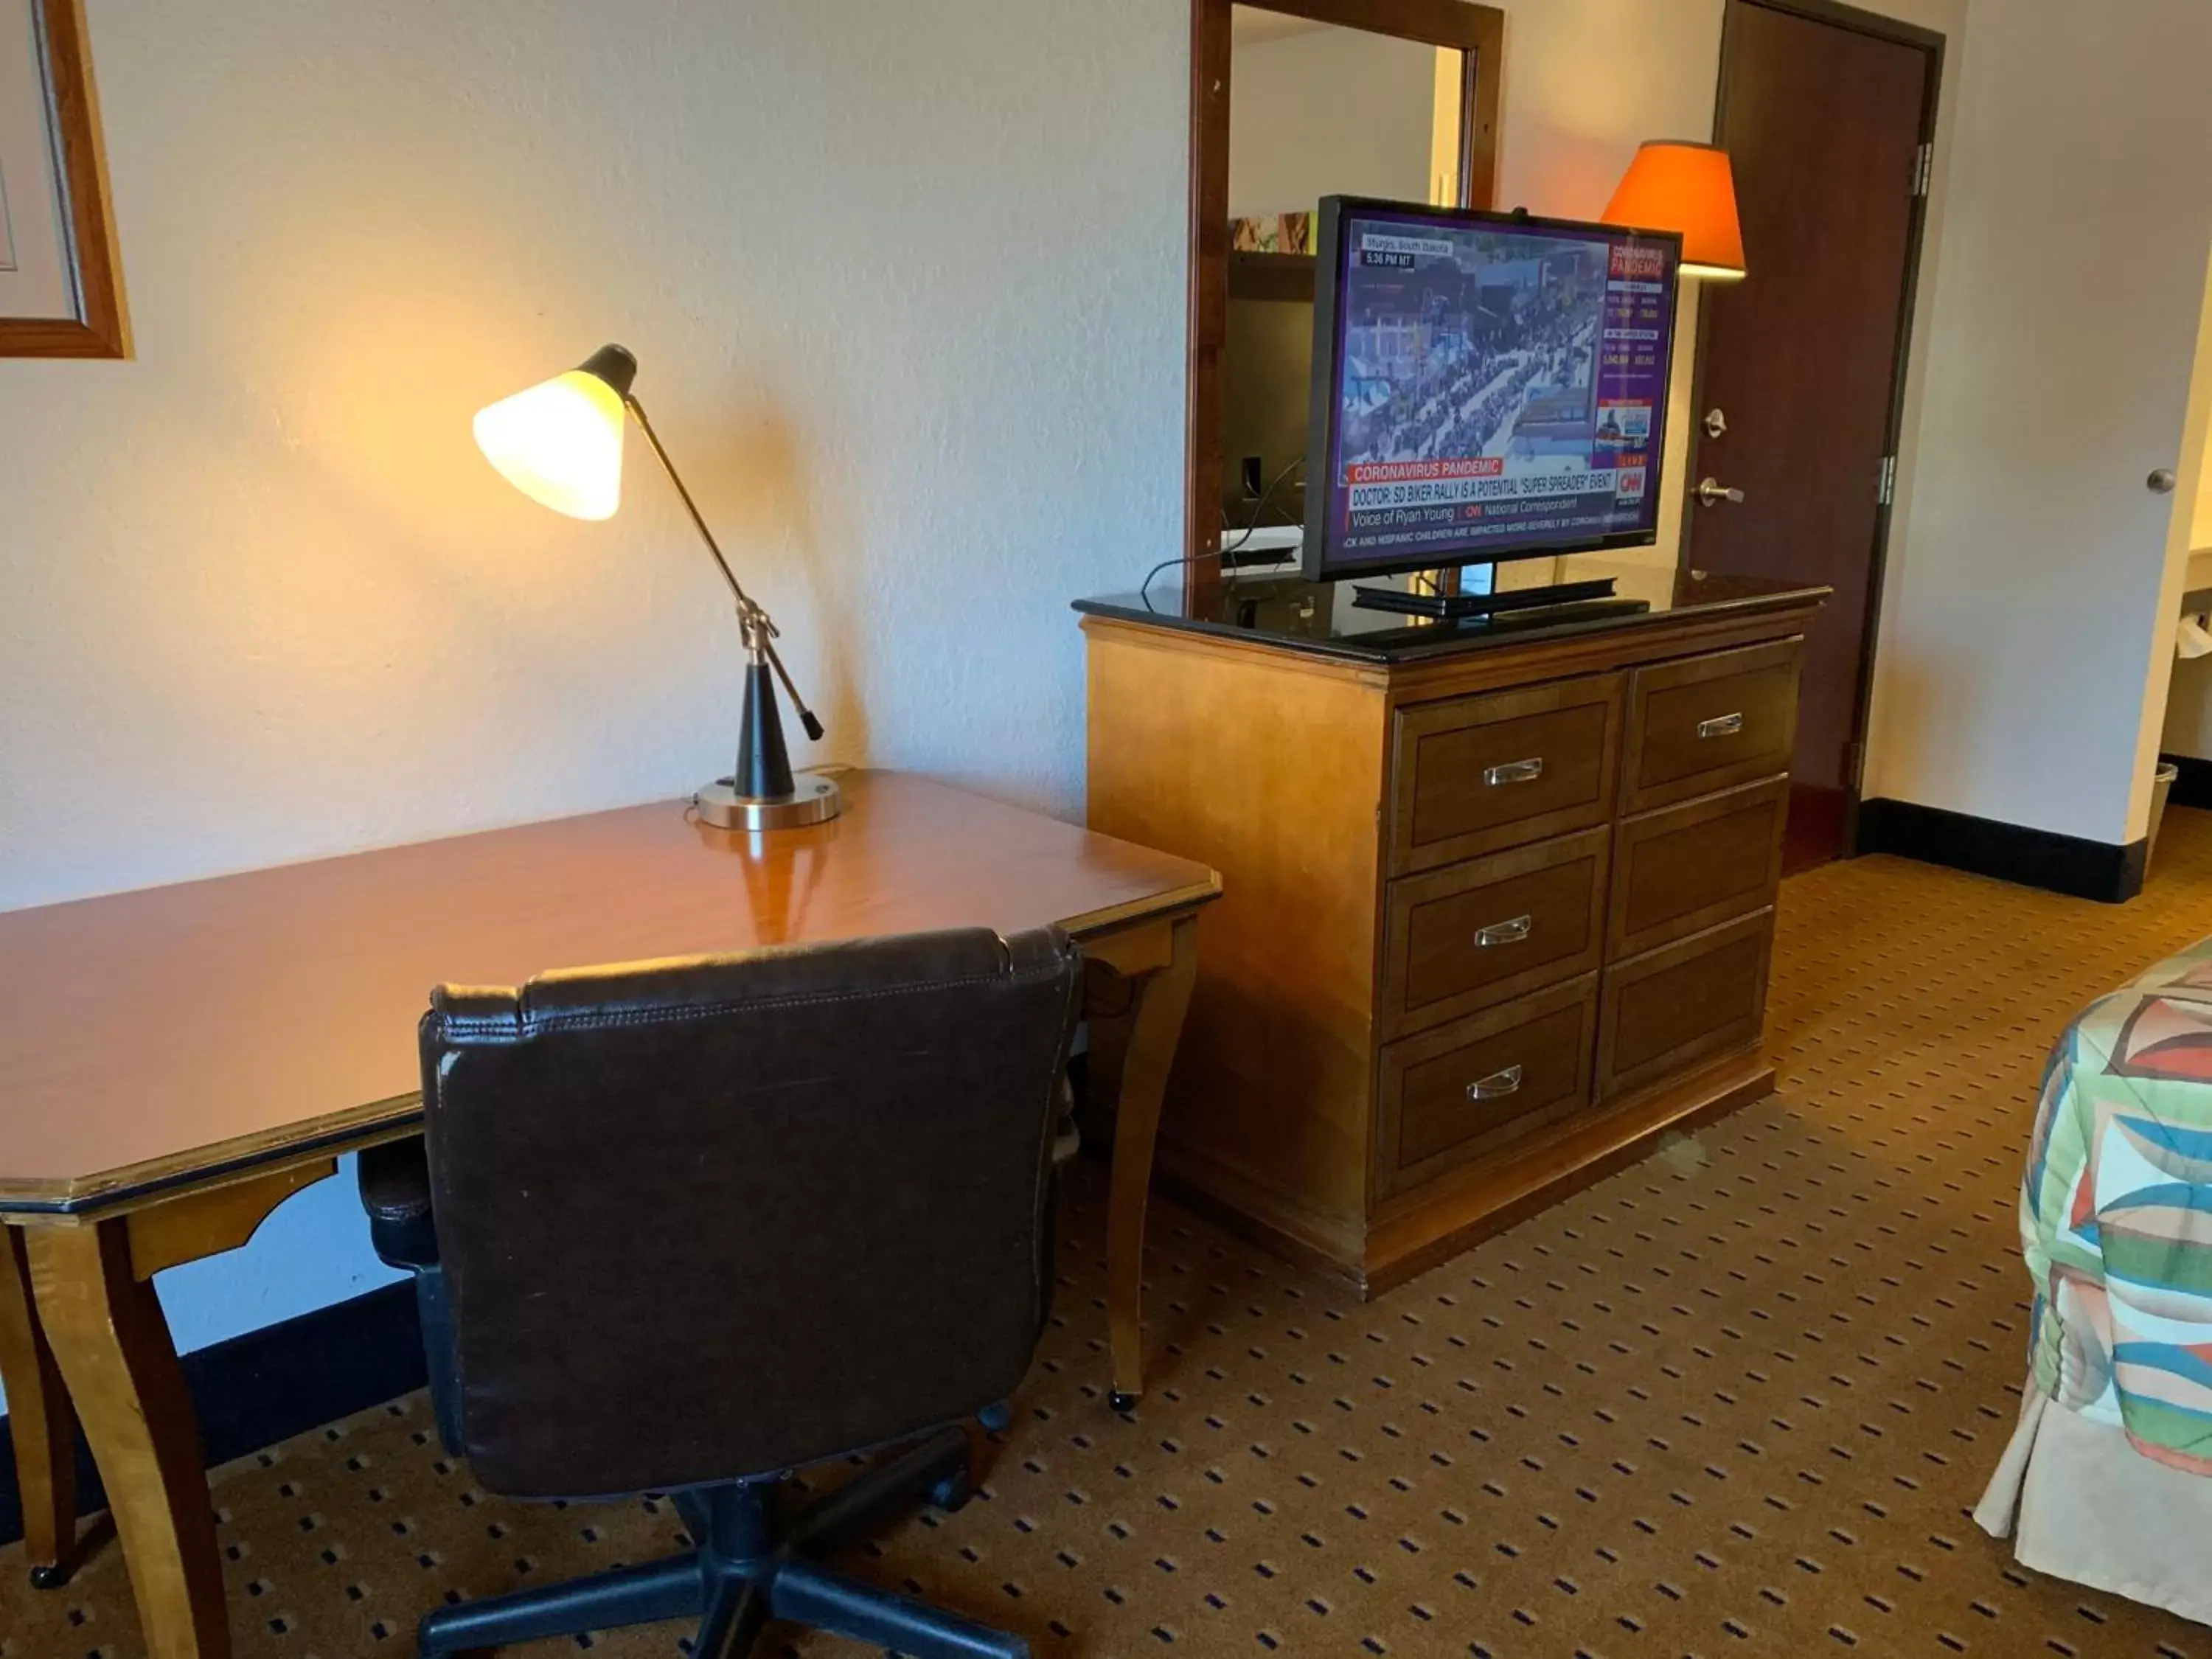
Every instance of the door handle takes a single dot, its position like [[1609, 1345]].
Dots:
[[1520, 771], [1497, 1085], [1504, 933], [1712, 492], [1721, 725]]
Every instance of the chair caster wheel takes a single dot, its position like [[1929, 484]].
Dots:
[[1122, 1403], [52, 1577], [952, 1492], [996, 1417]]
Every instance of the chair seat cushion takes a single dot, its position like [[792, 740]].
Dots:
[[395, 1191]]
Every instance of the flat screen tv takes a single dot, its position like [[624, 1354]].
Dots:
[[1485, 386]]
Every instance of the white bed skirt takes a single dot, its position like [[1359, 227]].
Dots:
[[2082, 1504]]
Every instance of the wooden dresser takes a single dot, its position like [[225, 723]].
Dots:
[[1497, 908]]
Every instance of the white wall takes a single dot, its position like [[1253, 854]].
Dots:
[[910, 310], [1587, 81], [1329, 111], [2027, 625], [907, 284]]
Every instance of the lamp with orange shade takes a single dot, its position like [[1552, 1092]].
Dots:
[[1672, 184]]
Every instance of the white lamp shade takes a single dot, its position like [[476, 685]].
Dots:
[[560, 443]]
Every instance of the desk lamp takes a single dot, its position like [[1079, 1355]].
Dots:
[[561, 443]]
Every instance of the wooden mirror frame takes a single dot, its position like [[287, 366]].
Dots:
[[98, 330], [1477, 31]]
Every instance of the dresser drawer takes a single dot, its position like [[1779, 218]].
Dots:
[[1477, 774], [1708, 723], [1702, 996], [1451, 1094], [1685, 868], [1483, 933]]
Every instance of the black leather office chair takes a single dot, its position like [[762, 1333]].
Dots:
[[686, 1226]]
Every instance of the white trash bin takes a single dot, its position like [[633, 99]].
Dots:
[[2161, 785]]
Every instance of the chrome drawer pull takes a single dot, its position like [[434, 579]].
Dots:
[[1497, 1085], [1522, 771], [1504, 933], [1721, 725]]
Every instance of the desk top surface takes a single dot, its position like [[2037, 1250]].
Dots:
[[173, 1035]]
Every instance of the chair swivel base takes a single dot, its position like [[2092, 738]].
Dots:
[[747, 1570]]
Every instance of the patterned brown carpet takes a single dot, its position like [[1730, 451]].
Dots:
[[1736, 1399]]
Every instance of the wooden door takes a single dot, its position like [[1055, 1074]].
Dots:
[[1825, 113]]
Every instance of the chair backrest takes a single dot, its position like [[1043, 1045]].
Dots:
[[720, 1217]]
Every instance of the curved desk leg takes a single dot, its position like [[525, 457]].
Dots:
[[1161, 995], [120, 1361], [42, 1420]]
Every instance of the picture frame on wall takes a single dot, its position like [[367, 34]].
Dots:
[[60, 296]]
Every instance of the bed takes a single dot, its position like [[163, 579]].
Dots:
[[2102, 1481]]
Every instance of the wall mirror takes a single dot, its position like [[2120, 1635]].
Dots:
[[1292, 101]]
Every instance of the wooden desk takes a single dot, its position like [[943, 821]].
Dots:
[[174, 1063]]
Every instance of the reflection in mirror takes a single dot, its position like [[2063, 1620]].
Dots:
[[1315, 109]]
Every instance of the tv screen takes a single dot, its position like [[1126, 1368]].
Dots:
[[1485, 386]]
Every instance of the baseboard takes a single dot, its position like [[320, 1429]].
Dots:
[[270, 1384], [2010, 852], [2193, 785]]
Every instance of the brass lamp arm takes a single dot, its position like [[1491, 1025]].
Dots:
[[759, 630], [746, 608]]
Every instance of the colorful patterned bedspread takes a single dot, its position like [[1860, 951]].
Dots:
[[2115, 1214]]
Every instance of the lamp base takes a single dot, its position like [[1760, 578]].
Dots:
[[813, 800]]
